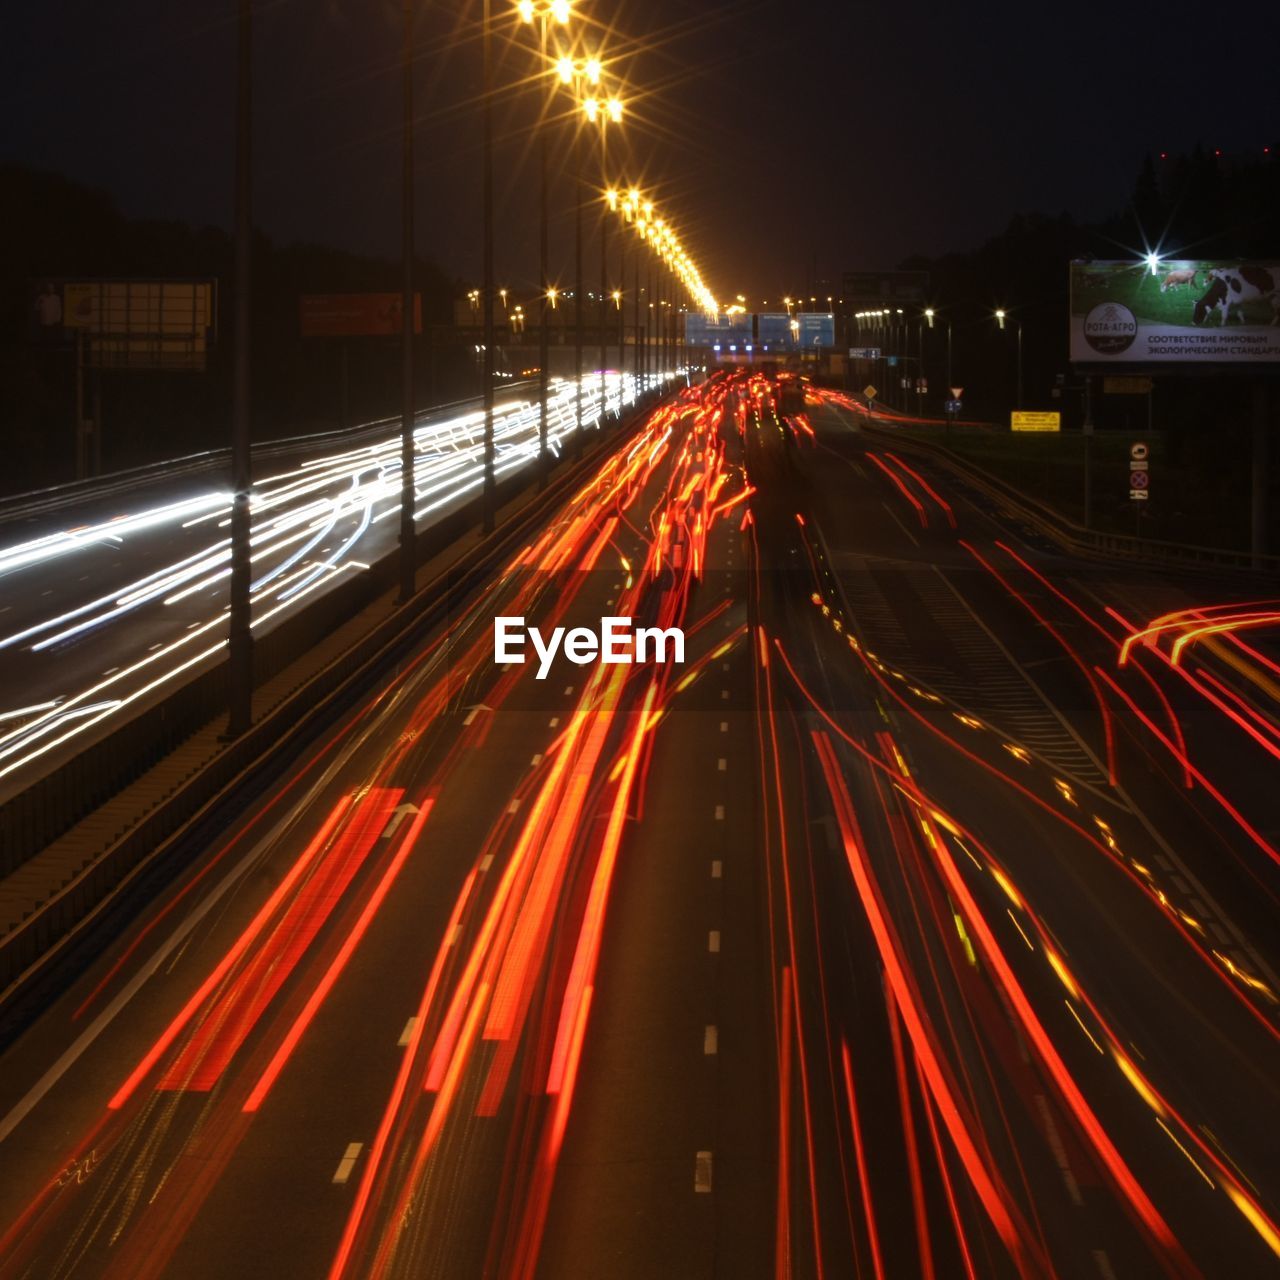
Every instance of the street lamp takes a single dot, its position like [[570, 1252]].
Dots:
[[930, 314], [579, 76], [603, 112], [240, 634], [1001, 316]]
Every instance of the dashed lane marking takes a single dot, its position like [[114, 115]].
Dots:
[[348, 1162]]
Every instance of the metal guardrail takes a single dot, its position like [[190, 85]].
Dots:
[[1075, 537], [52, 804], [90, 909]]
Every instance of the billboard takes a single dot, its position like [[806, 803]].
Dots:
[[354, 315], [1175, 313], [865, 290], [132, 324]]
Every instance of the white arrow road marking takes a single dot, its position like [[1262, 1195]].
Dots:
[[474, 711], [396, 819]]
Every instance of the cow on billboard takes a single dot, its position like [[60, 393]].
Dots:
[[1176, 279], [1232, 287]]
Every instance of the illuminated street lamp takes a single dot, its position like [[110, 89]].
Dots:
[[543, 12], [930, 315], [580, 76], [1001, 316], [602, 112]]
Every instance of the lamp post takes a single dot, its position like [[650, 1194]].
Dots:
[[603, 112], [239, 633], [489, 503], [575, 75], [555, 11], [930, 315], [1001, 316], [408, 488]]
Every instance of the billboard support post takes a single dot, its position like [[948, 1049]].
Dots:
[[344, 390], [1087, 430], [96, 429], [79, 439], [1259, 477]]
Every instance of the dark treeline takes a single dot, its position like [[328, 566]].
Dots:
[[58, 229], [1200, 205]]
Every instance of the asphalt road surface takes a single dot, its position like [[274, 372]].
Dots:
[[883, 936]]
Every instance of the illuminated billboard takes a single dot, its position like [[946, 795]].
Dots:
[[1177, 312]]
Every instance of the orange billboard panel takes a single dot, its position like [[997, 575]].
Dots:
[[354, 315]]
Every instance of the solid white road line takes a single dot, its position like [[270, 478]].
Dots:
[[407, 1034]]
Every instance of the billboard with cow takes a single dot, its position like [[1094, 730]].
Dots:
[[1183, 312]]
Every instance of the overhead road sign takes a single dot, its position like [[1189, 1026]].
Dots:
[[1184, 314], [817, 329], [1035, 420], [864, 353]]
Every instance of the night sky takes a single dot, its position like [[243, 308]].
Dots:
[[781, 137]]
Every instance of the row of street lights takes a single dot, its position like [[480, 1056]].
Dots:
[[893, 321], [585, 78]]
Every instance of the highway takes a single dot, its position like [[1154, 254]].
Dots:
[[111, 601], [920, 923]]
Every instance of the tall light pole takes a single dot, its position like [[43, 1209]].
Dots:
[[930, 315], [603, 112], [555, 11], [1001, 317], [408, 549], [489, 502], [576, 75], [239, 634]]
